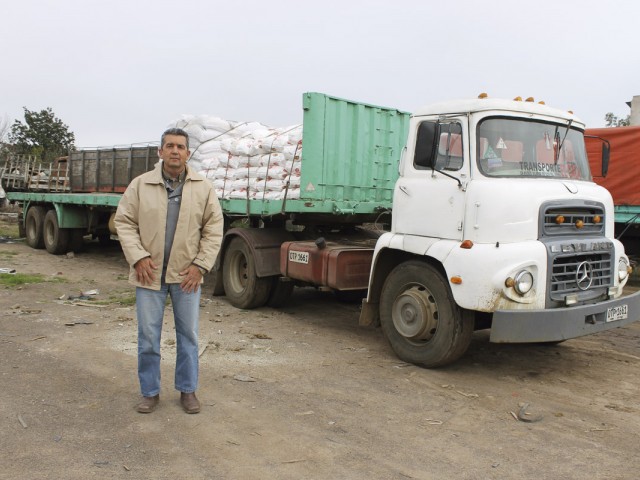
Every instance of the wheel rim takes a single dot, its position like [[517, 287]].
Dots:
[[415, 314], [239, 274]]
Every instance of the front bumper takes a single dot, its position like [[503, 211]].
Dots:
[[552, 325]]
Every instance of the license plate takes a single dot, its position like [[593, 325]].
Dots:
[[298, 257], [617, 313]]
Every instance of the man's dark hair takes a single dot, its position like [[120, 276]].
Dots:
[[174, 131]]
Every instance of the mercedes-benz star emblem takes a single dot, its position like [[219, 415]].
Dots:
[[584, 275]]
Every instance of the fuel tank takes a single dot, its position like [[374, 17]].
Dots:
[[330, 264]]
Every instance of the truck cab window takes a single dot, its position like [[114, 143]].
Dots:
[[439, 146]]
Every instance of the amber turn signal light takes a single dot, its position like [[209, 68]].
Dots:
[[466, 244]]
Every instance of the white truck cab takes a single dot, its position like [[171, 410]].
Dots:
[[496, 224]]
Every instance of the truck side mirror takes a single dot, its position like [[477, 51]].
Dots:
[[426, 144], [606, 150]]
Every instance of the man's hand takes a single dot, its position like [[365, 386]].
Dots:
[[191, 282], [145, 271]]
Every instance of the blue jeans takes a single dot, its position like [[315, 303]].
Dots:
[[150, 311]]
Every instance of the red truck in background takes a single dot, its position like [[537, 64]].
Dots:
[[622, 179]]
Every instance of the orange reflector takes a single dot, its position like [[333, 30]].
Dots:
[[466, 244], [456, 280], [509, 282], [518, 99], [559, 219], [579, 224], [597, 219], [483, 95], [570, 111], [530, 99], [541, 102]]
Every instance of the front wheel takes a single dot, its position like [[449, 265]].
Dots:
[[242, 287], [420, 317]]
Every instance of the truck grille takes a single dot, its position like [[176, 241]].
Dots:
[[578, 220], [578, 273]]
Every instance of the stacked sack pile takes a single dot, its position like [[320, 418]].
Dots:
[[245, 160]]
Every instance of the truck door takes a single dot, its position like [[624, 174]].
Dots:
[[429, 195]]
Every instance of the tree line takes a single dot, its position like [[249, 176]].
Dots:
[[42, 134]]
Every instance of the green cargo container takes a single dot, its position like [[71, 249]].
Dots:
[[350, 160]]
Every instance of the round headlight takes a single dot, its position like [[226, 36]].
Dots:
[[623, 269], [523, 282]]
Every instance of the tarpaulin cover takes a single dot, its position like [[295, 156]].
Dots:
[[623, 178]]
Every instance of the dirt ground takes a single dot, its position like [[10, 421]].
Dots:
[[296, 393]]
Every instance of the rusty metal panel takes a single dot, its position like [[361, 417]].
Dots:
[[109, 170], [348, 268], [342, 267]]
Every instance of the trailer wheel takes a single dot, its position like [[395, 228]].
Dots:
[[56, 239], [420, 318], [241, 285], [34, 226], [280, 292]]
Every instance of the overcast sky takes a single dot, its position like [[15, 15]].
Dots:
[[119, 71]]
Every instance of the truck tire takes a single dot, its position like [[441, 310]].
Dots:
[[56, 239], [242, 287], [280, 292], [215, 277], [34, 226], [420, 318]]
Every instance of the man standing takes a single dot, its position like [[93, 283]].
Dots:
[[169, 223]]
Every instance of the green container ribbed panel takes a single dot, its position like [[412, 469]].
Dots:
[[350, 159]]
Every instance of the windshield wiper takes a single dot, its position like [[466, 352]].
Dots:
[[562, 142]]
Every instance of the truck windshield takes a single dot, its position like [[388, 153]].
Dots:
[[510, 147]]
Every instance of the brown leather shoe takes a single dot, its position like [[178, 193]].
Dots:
[[148, 404], [189, 402]]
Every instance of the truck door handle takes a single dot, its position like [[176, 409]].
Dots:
[[404, 190]]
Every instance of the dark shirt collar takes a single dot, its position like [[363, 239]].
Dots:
[[173, 183]]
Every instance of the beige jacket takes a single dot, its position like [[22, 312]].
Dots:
[[141, 220]]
